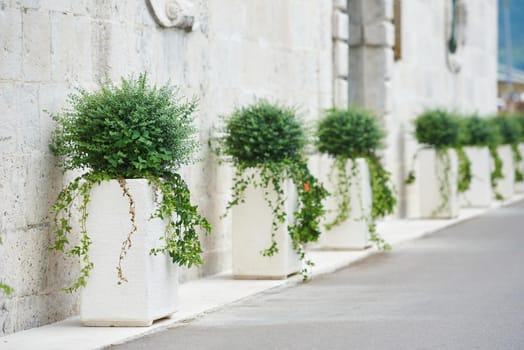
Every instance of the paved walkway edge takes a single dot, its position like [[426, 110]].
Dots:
[[210, 294]]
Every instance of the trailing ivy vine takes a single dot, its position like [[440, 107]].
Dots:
[[6, 289], [346, 135], [126, 132], [266, 144], [508, 132]]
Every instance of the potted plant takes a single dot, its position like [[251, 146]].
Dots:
[[352, 172], [276, 203], [433, 192], [475, 136], [509, 156], [135, 219]]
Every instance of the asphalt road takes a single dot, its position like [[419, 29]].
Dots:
[[461, 288]]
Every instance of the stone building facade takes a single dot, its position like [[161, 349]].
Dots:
[[311, 54]]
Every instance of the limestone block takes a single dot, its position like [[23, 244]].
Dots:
[[379, 34], [356, 37], [151, 290], [479, 193], [10, 44], [71, 58], [505, 187], [341, 4], [377, 10], [252, 234], [36, 45], [519, 186], [352, 233], [341, 93], [341, 26], [341, 53], [424, 197]]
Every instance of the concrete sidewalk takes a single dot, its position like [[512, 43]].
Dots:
[[196, 298]]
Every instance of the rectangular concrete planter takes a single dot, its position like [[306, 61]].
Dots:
[[352, 233], [252, 234], [519, 186], [480, 192], [423, 196], [506, 186], [151, 290]]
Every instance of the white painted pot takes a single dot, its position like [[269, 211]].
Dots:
[[506, 186], [352, 233], [479, 193], [151, 290], [519, 186], [252, 234], [423, 196]]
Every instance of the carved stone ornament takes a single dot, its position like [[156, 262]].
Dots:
[[174, 13], [456, 23]]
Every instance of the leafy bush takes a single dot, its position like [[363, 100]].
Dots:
[[520, 120], [509, 129], [130, 131], [481, 132], [437, 128], [271, 139], [350, 134], [262, 133]]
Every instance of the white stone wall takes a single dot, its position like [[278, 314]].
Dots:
[[421, 78], [399, 90], [238, 51]]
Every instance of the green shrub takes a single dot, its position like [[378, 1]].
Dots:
[[509, 129], [347, 135], [481, 132], [350, 133], [262, 133], [130, 131], [437, 128], [520, 120]]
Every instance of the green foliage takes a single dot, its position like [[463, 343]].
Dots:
[[131, 131], [464, 170], [7, 290], [437, 128], [351, 134], [481, 132], [496, 174], [443, 180], [508, 127], [517, 159], [266, 143], [347, 135], [263, 132], [128, 131], [520, 119]]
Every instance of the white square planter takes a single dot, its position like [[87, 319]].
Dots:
[[423, 196], [519, 186], [252, 234], [506, 186], [151, 290], [479, 193], [352, 233]]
